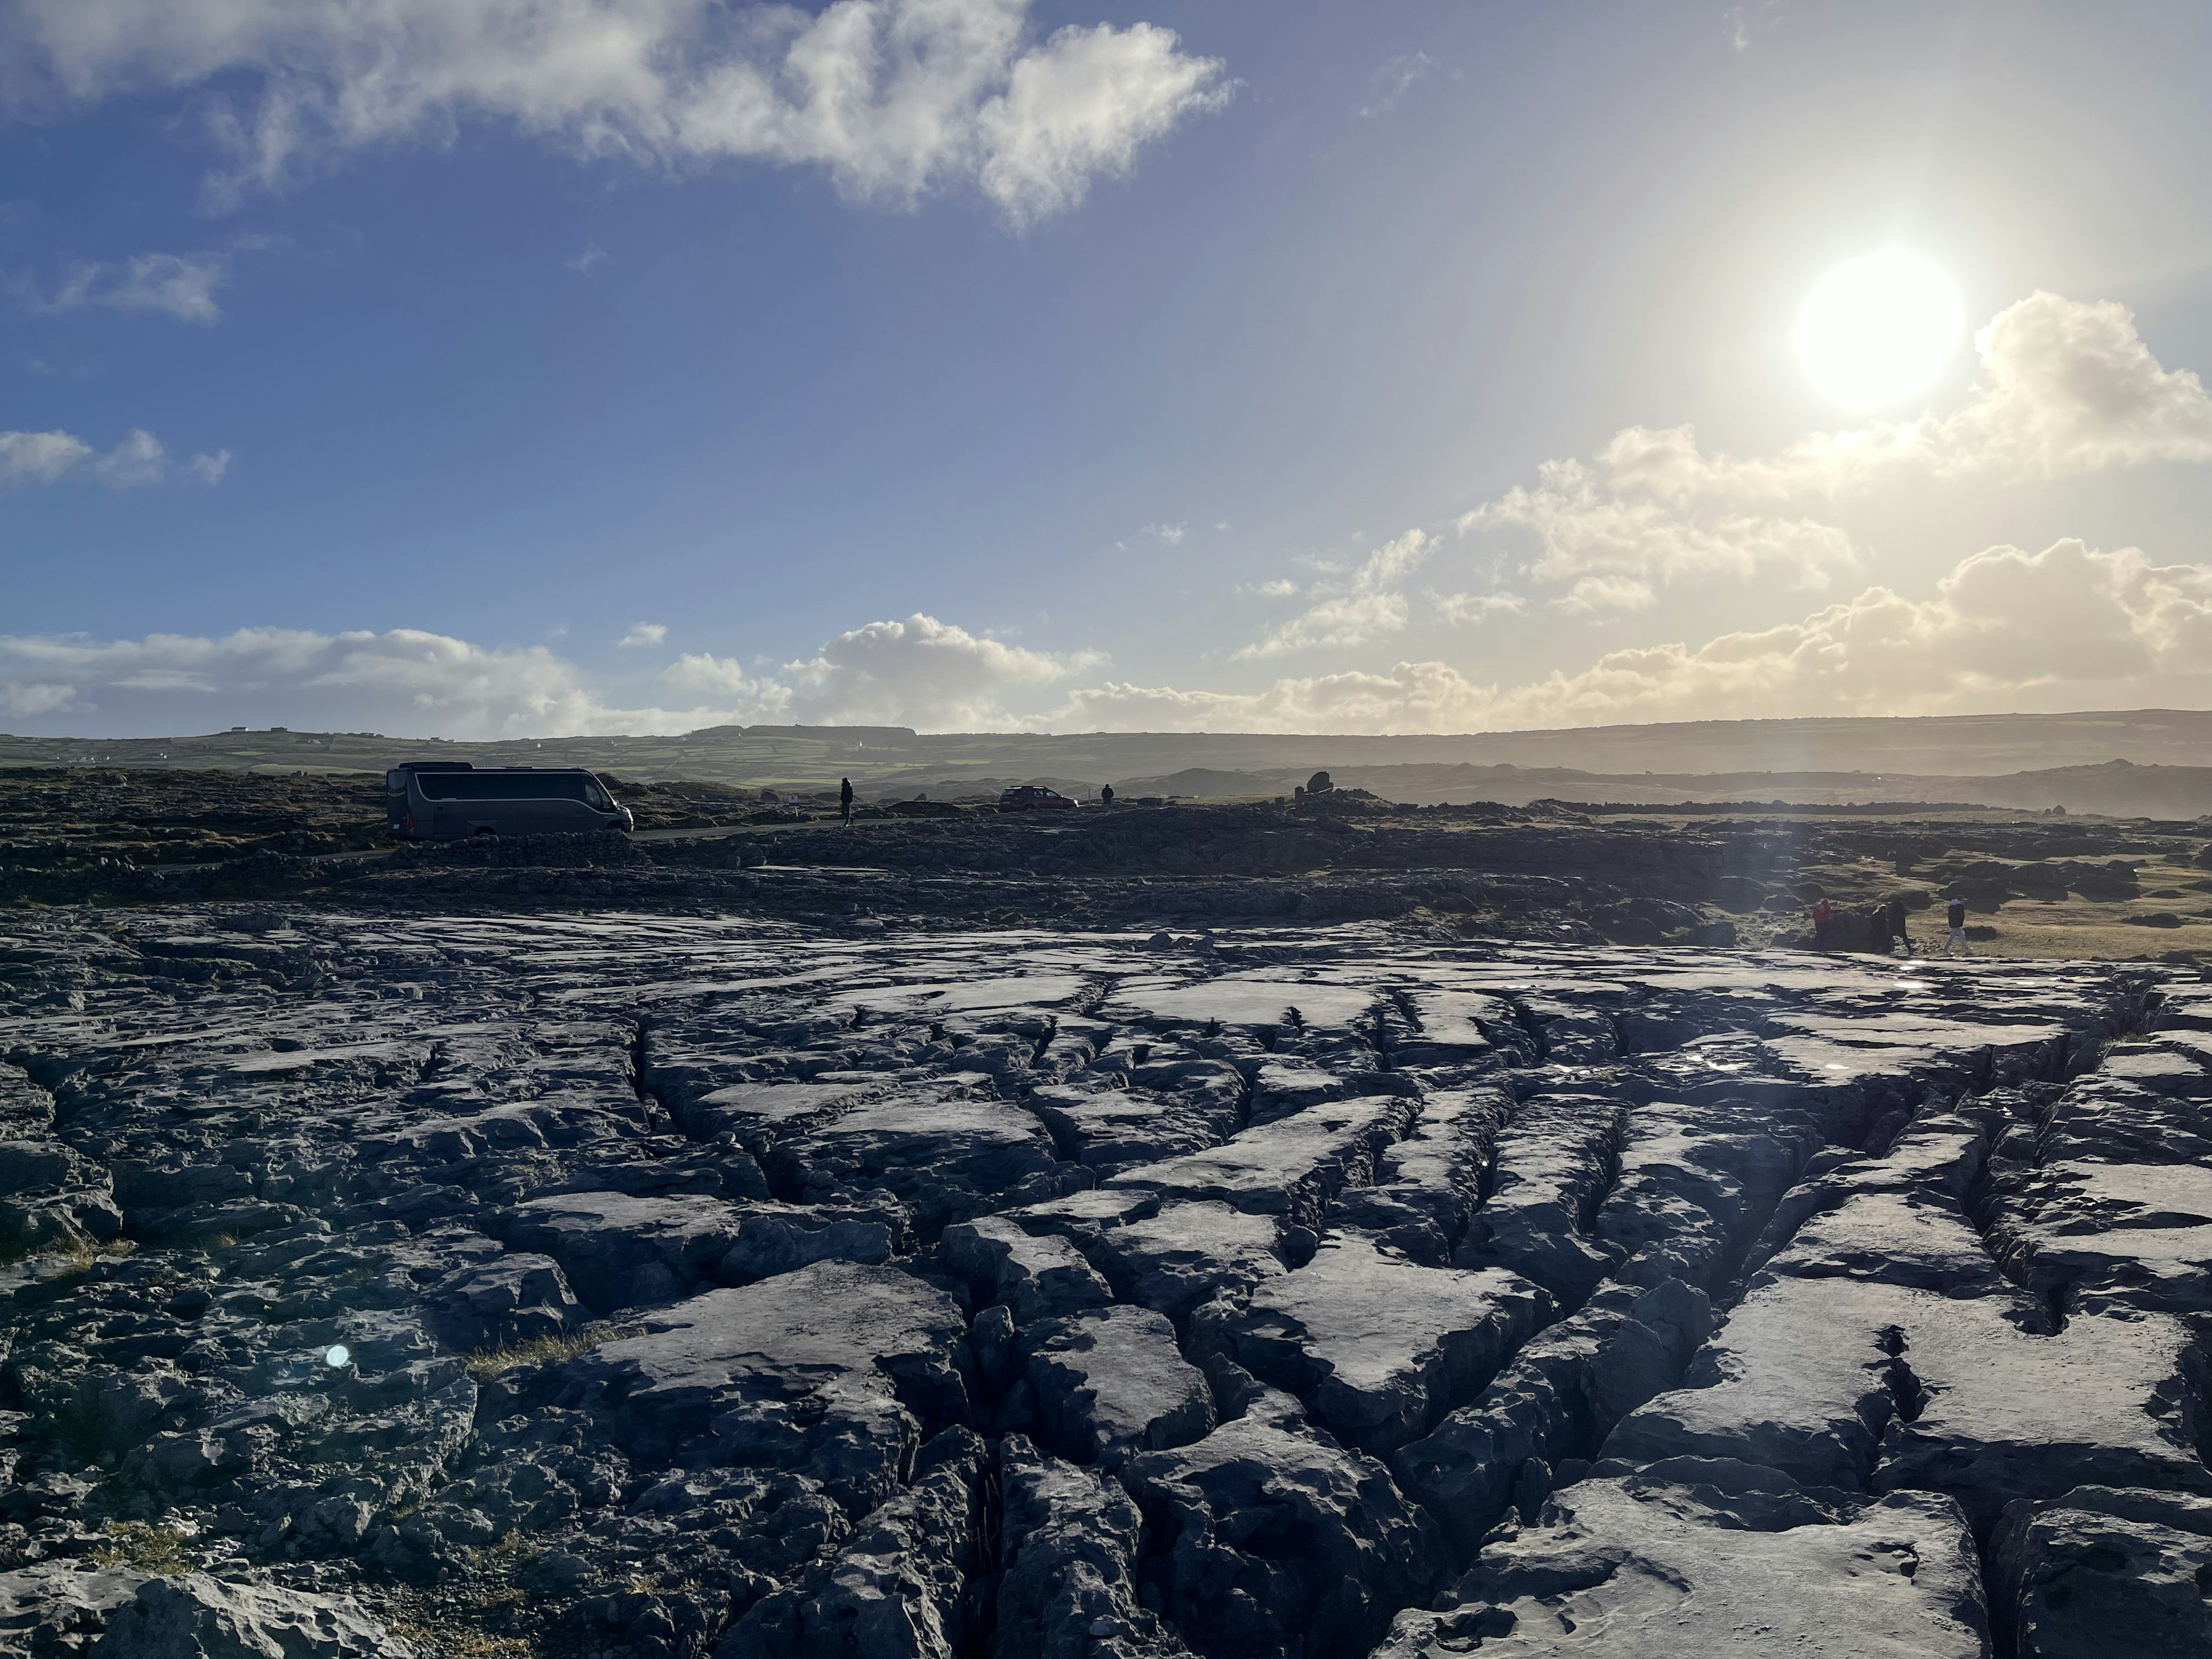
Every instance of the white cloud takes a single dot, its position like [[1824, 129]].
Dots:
[[1459, 609], [1366, 607], [407, 680], [894, 98], [35, 699], [1392, 81], [179, 285], [2067, 386], [138, 459], [40, 457], [1280, 588], [1079, 107], [922, 673], [1413, 697], [644, 633], [1172, 534], [2067, 628], [1615, 547], [703, 674], [589, 260]]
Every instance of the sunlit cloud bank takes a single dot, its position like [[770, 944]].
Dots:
[[894, 98], [2067, 628], [2066, 387], [2070, 627]]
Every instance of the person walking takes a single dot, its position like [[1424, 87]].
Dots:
[[845, 800], [1957, 916]]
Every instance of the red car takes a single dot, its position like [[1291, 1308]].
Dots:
[[1032, 797]]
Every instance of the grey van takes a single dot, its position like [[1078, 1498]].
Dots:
[[444, 801]]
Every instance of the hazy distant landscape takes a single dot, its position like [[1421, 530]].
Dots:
[[2143, 763]]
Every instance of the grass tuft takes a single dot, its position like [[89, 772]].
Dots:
[[488, 1363], [145, 1546]]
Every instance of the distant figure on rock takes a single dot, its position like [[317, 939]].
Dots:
[[1319, 784], [845, 799], [1958, 920], [1106, 795], [1824, 919]]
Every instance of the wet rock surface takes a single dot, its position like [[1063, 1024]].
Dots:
[[668, 1285]]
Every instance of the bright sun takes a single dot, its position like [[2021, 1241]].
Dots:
[[1879, 329]]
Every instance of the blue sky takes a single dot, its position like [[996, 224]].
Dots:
[[1165, 365]]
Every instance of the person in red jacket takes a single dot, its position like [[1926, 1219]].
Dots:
[[1824, 916]]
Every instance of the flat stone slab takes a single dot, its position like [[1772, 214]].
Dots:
[[1111, 1381], [831, 1370], [1181, 1255], [1633, 1569], [2113, 1235], [1381, 1346], [1291, 1168], [621, 1250], [945, 1159], [1112, 1130], [1847, 1384]]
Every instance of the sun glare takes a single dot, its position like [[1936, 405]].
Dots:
[[1879, 329]]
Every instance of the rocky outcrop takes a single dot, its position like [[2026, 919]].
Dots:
[[676, 1285]]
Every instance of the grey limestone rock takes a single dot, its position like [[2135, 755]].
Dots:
[[898, 1587], [197, 1617], [1111, 1381], [1558, 1398], [1035, 1277], [1292, 1168], [1555, 1163], [1381, 1346], [834, 1368], [1344, 1548], [1715, 1560], [2104, 1570], [622, 1251], [1069, 1548], [1318, 1285]]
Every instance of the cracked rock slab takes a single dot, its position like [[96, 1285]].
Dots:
[[1381, 1346], [1745, 1567], [831, 1370]]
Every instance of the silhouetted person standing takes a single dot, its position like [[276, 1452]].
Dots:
[[1106, 795], [1958, 920], [845, 798], [1897, 933]]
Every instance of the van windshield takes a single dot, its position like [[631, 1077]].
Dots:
[[512, 786]]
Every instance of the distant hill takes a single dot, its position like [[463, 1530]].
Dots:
[[2147, 762]]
